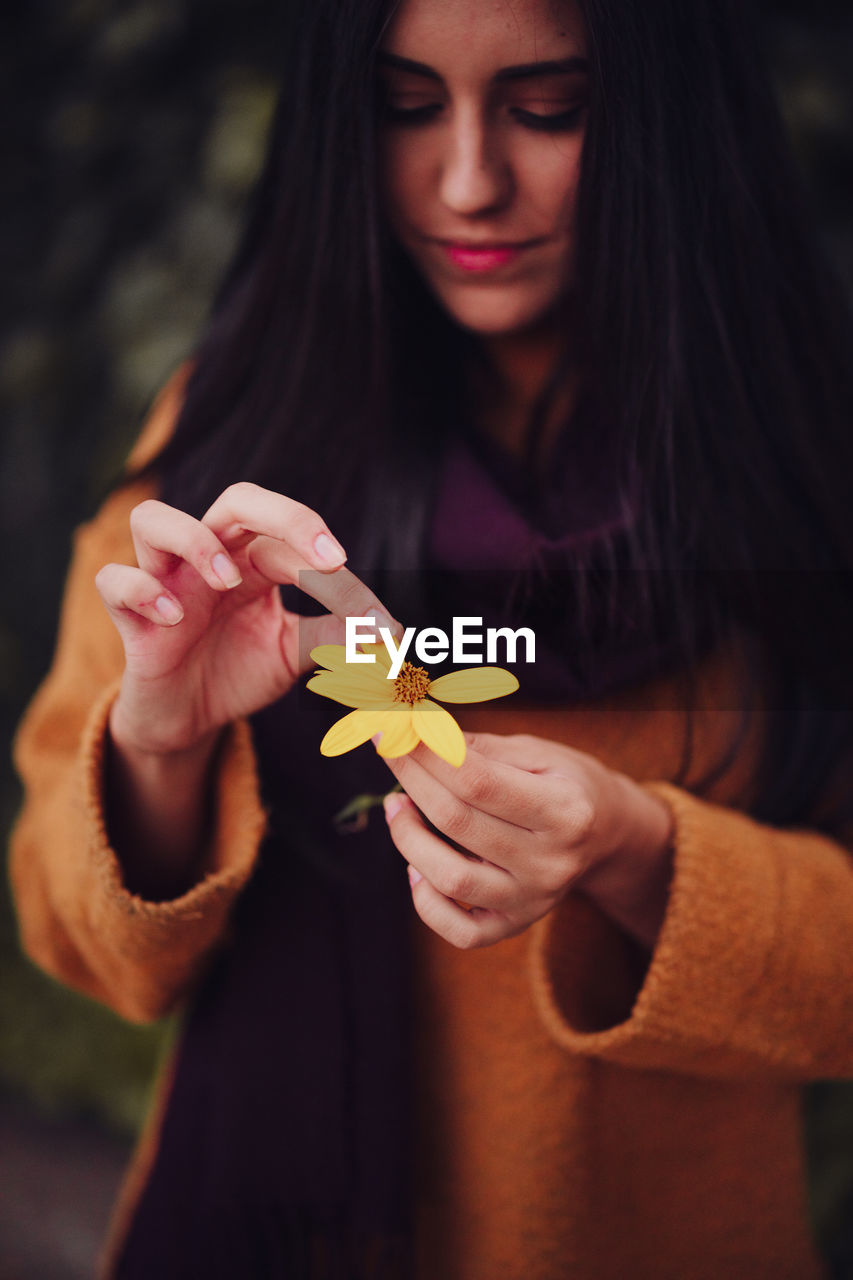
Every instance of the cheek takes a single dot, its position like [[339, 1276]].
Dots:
[[550, 182], [404, 179]]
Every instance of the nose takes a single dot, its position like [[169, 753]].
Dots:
[[475, 177]]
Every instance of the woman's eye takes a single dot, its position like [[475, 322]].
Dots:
[[411, 110], [548, 117]]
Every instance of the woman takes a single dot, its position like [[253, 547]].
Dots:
[[529, 310]]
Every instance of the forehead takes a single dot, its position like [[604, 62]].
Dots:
[[481, 36]]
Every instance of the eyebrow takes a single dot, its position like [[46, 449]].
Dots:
[[526, 71]]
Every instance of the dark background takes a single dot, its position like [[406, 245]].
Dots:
[[131, 134]]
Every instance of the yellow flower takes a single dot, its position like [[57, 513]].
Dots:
[[399, 709]]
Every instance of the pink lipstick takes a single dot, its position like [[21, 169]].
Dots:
[[481, 258]]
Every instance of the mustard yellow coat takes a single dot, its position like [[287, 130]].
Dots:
[[583, 1114]]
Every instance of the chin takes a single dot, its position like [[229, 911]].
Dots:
[[491, 313]]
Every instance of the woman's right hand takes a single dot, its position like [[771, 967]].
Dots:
[[206, 636]]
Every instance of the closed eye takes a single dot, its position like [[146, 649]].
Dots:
[[549, 121], [422, 113]]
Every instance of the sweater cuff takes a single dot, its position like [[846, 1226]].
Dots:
[[712, 953], [239, 821]]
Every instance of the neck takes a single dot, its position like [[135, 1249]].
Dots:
[[519, 367]]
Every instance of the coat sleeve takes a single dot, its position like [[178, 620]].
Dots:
[[77, 919], [752, 974]]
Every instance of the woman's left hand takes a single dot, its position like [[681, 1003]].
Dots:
[[520, 824]]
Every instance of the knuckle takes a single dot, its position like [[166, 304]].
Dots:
[[554, 878], [240, 491], [104, 578], [458, 883], [569, 809], [504, 898], [112, 579], [352, 599], [142, 513], [579, 817], [236, 498], [455, 820], [463, 934], [480, 786]]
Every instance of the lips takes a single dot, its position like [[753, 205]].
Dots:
[[483, 257], [480, 259]]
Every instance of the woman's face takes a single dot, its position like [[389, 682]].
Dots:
[[483, 127]]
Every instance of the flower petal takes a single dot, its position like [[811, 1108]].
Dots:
[[354, 688], [398, 733], [383, 657], [334, 657], [331, 656], [350, 732], [474, 684], [439, 731]]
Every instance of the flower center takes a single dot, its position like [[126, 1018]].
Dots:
[[411, 685]]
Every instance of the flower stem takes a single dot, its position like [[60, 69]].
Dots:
[[355, 814]]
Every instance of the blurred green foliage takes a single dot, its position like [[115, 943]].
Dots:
[[134, 131]]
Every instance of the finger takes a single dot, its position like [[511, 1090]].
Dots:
[[489, 787], [469, 881], [133, 594], [497, 840], [562, 791], [291, 543], [462, 928], [162, 535], [342, 593], [520, 750], [246, 510], [461, 924], [301, 635]]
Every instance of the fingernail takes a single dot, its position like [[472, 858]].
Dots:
[[415, 877], [383, 619], [226, 570], [329, 550], [393, 804], [168, 610]]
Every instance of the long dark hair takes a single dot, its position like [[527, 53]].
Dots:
[[714, 340]]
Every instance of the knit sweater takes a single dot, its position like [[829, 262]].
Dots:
[[584, 1111]]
